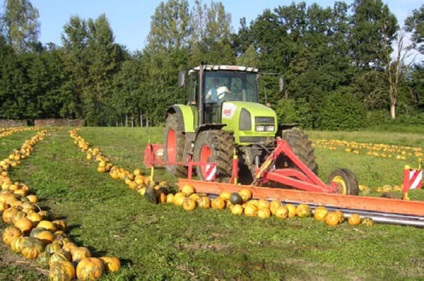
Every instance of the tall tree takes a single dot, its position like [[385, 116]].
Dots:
[[415, 25], [20, 24]]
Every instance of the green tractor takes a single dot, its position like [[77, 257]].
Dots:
[[223, 120]]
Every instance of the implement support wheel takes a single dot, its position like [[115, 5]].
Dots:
[[346, 181]]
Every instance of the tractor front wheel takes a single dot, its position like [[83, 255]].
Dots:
[[213, 146], [302, 148], [346, 181]]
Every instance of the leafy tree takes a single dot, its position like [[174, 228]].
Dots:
[[20, 24], [415, 24]]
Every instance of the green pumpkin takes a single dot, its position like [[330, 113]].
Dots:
[[53, 247], [35, 231], [43, 259], [236, 198], [32, 248], [62, 271], [60, 255]]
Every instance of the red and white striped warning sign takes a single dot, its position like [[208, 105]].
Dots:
[[412, 179], [210, 172]]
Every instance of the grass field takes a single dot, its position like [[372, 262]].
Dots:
[[164, 242]]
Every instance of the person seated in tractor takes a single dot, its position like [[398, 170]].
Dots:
[[217, 93]]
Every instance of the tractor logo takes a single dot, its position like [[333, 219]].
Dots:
[[228, 110]]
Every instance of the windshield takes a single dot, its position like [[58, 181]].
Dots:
[[240, 86]]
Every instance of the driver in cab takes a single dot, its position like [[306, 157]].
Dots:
[[217, 93]]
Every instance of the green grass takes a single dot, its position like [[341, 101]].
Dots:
[[164, 242]]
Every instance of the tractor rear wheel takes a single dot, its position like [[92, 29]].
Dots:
[[174, 145], [302, 148], [217, 147], [346, 180]]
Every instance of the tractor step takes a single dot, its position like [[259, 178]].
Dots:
[[334, 200]]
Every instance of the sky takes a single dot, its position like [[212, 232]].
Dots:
[[130, 19]]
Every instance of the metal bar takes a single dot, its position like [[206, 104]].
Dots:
[[376, 204]]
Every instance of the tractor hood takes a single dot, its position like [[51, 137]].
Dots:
[[250, 122]]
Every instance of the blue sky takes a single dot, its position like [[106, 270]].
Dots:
[[130, 19]]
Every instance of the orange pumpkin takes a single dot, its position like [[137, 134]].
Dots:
[[332, 219], [90, 269], [341, 215], [218, 203], [69, 246], [24, 224], [62, 271], [354, 219], [60, 224], [8, 214], [112, 264], [11, 233]]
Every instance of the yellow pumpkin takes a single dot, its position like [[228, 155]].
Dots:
[[90, 269], [237, 209], [341, 215], [274, 205], [320, 212], [69, 246], [303, 211], [226, 195], [8, 214], [32, 247], [367, 222], [204, 202], [62, 270], [48, 225], [60, 224], [332, 219], [218, 203], [59, 255], [111, 264], [264, 212], [187, 190], [250, 210], [189, 204], [282, 212], [79, 253], [170, 198], [246, 194], [354, 219], [46, 236], [32, 198], [292, 210], [17, 244]]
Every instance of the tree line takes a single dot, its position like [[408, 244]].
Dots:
[[344, 67]]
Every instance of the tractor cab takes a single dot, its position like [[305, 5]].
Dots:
[[212, 85]]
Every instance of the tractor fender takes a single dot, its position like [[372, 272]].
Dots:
[[186, 113], [206, 127]]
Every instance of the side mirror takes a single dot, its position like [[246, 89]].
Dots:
[[281, 84], [181, 78]]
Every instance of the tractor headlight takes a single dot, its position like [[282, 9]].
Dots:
[[260, 128], [270, 128], [245, 121]]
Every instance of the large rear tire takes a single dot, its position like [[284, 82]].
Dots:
[[174, 145], [302, 148], [214, 146]]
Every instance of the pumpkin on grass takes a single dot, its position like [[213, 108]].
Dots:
[[79, 253], [62, 271], [320, 212], [32, 247], [90, 269], [237, 209], [24, 224], [11, 233], [282, 212], [59, 255], [218, 203], [354, 219], [112, 264], [204, 202], [17, 244], [303, 211], [43, 259], [189, 204], [264, 212], [332, 219]]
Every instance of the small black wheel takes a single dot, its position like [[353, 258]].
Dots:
[[214, 146], [174, 145], [346, 181]]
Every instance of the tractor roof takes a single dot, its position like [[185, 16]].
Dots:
[[213, 67]]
